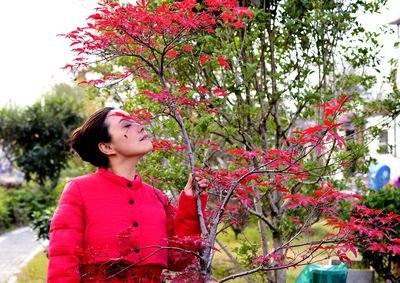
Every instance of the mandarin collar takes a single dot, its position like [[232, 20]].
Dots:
[[119, 180]]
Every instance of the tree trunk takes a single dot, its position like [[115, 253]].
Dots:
[[263, 232], [280, 274]]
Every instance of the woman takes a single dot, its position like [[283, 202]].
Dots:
[[109, 225]]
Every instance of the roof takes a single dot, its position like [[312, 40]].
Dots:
[[396, 22]]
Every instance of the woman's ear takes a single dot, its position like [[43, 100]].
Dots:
[[106, 148]]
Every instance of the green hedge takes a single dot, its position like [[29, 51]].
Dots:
[[18, 205]]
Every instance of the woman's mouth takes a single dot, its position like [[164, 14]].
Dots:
[[144, 137]]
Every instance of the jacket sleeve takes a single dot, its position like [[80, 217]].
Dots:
[[184, 231], [187, 221], [66, 237]]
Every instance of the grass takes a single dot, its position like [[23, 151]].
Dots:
[[222, 265], [35, 271]]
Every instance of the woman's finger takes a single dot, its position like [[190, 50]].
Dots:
[[203, 183]]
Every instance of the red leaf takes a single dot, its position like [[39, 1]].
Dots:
[[184, 89], [375, 247], [296, 220], [238, 24], [95, 17], [182, 100], [187, 48], [227, 17], [68, 66], [171, 54], [222, 61], [283, 190], [202, 89], [241, 11], [162, 9], [204, 58], [395, 249], [396, 240], [220, 92]]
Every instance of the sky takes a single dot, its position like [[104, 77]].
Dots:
[[32, 55]]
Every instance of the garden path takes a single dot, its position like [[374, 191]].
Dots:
[[17, 248]]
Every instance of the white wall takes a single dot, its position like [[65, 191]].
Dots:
[[393, 131], [392, 159]]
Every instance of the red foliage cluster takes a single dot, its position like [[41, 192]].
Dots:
[[182, 99], [161, 144], [141, 116], [334, 107], [371, 227], [152, 35]]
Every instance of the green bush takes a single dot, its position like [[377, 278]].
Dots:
[[41, 222], [5, 220], [40, 218], [17, 205], [22, 203], [29, 205]]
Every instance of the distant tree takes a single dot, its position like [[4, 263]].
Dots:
[[35, 138]]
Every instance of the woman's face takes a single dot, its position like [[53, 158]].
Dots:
[[128, 138]]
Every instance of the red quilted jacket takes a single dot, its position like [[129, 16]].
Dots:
[[103, 217]]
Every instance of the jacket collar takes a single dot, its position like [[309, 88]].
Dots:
[[119, 180]]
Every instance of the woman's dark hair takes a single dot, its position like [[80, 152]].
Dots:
[[85, 139]]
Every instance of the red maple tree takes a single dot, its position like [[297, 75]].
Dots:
[[152, 37]]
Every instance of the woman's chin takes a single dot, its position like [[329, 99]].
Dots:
[[148, 148]]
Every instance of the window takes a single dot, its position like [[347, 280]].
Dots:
[[384, 142]]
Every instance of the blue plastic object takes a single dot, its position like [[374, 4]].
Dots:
[[314, 273], [378, 179]]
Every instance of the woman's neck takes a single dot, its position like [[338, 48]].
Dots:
[[124, 168]]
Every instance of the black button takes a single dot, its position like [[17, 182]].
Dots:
[[131, 201], [136, 250], [129, 185], [135, 224]]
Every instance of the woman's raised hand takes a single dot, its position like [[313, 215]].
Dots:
[[189, 188]]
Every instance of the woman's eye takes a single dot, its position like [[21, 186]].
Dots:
[[127, 126]]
